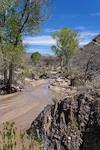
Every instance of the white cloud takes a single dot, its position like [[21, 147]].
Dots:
[[48, 30], [86, 36], [95, 14], [44, 40], [42, 50]]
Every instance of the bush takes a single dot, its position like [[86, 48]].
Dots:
[[75, 76], [13, 139]]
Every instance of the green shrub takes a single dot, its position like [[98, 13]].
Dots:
[[71, 73], [13, 139]]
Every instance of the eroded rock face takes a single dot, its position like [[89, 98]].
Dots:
[[72, 124], [89, 54]]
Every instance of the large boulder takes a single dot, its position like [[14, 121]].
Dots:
[[71, 124]]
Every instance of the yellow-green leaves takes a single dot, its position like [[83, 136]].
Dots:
[[14, 25], [67, 44], [5, 5]]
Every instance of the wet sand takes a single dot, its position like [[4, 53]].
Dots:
[[23, 107]]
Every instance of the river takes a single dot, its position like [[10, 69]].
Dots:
[[24, 107]]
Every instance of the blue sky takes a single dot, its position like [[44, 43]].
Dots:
[[82, 16]]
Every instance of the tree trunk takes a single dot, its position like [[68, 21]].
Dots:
[[61, 63], [5, 76], [10, 79]]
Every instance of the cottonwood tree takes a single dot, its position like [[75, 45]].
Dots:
[[66, 45], [17, 18], [35, 57]]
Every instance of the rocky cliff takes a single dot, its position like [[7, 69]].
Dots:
[[71, 124], [88, 56]]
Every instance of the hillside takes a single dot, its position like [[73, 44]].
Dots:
[[88, 55]]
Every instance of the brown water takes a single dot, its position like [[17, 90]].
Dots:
[[24, 107]]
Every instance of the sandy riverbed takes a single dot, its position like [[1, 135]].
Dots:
[[23, 107]]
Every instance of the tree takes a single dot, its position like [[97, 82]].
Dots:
[[66, 45], [35, 57], [16, 18]]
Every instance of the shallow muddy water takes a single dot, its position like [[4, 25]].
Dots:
[[25, 106]]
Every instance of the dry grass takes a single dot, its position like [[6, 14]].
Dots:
[[13, 139]]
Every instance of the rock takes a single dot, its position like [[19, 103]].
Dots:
[[71, 124], [62, 87], [44, 76], [60, 82], [90, 53]]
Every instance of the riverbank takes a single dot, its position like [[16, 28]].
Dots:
[[35, 83]]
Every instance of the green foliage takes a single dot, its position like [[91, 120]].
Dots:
[[66, 44], [16, 18], [5, 5], [35, 57], [34, 135], [71, 73], [25, 15], [12, 53], [75, 76], [28, 70], [12, 138]]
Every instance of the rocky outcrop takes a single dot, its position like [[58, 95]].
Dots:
[[71, 124], [61, 82], [88, 58], [62, 87]]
